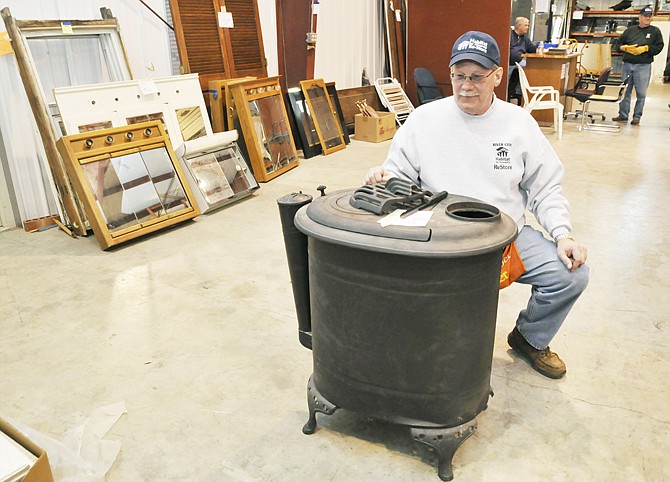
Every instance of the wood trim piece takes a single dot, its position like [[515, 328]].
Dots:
[[76, 218]]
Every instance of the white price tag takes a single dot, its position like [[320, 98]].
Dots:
[[147, 86], [419, 218], [225, 20]]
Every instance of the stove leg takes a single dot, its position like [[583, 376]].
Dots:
[[445, 441], [316, 403]]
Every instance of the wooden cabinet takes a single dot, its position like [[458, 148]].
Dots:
[[557, 71]]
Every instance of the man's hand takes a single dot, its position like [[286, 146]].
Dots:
[[571, 253], [628, 48], [639, 50], [377, 174]]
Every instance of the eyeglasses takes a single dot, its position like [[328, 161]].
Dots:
[[474, 78]]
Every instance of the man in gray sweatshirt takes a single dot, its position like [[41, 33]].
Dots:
[[477, 145]]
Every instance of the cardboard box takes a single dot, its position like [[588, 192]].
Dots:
[[40, 471], [374, 129]]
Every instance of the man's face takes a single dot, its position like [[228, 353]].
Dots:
[[645, 20], [474, 98], [522, 28]]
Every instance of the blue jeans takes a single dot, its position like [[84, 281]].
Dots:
[[638, 76], [554, 291]]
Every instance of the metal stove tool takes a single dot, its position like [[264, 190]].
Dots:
[[382, 198]]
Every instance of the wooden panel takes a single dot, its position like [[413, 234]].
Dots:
[[293, 17], [433, 27], [349, 97]]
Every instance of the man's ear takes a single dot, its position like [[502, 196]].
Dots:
[[498, 75]]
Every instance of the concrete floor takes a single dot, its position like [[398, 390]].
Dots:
[[195, 330]]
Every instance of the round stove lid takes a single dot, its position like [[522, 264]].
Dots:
[[460, 226]]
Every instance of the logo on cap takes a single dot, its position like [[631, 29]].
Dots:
[[474, 44]]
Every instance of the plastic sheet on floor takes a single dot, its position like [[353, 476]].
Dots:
[[83, 455]]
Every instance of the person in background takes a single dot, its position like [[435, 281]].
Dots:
[[477, 145], [519, 44], [639, 43]]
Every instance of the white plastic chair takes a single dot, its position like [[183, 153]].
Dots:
[[541, 98]]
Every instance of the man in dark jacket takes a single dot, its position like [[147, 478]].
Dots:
[[639, 43], [519, 44]]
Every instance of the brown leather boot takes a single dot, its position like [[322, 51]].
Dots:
[[544, 361]]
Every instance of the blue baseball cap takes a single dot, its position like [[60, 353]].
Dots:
[[478, 47], [647, 11]]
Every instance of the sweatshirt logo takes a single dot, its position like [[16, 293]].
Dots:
[[502, 156]]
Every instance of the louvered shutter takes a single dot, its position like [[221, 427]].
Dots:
[[219, 53], [246, 39]]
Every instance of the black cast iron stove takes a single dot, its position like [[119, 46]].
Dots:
[[400, 320]]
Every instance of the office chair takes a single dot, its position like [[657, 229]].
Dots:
[[427, 90], [603, 97], [581, 92], [541, 98]]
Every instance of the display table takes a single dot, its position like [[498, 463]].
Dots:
[[557, 71]]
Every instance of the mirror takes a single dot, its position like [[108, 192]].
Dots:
[[221, 174], [145, 118], [237, 174], [135, 188], [323, 113], [190, 123], [95, 126], [309, 139], [272, 133], [129, 181], [337, 108], [268, 140]]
